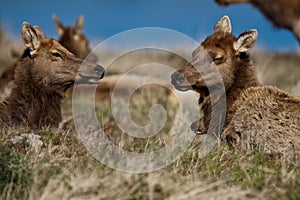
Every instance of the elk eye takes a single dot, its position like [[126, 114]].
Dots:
[[57, 55], [218, 60]]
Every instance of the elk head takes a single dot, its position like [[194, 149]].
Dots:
[[73, 39], [51, 66], [221, 51]]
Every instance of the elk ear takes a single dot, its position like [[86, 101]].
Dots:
[[30, 37], [59, 27], [245, 41], [79, 24], [40, 33], [223, 25]]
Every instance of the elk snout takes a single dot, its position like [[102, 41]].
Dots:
[[92, 57], [180, 82], [90, 74], [100, 71], [176, 78], [198, 127], [194, 127]]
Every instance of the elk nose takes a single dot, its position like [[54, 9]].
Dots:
[[177, 78], [100, 71], [195, 128]]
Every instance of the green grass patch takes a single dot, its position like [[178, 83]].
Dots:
[[15, 175]]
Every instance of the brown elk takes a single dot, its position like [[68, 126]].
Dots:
[[8, 74], [283, 13], [265, 115], [42, 75], [71, 37], [74, 40]]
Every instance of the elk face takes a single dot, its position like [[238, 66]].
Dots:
[[52, 66], [217, 56], [73, 39]]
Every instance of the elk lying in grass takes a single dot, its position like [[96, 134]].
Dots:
[[254, 114], [70, 37], [42, 75], [283, 13]]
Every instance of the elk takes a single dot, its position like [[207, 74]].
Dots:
[[254, 114], [8, 74], [71, 37], [42, 75], [283, 13]]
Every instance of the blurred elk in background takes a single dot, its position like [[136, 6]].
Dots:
[[73, 39], [282, 13]]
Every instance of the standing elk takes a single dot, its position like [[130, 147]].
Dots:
[[260, 115], [283, 13], [71, 37], [42, 75]]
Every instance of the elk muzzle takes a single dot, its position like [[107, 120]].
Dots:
[[179, 82], [91, 75]]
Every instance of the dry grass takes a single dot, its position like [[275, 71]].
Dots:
[[62, 168], [280, 70]]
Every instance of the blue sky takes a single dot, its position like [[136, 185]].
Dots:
[[104, 19]]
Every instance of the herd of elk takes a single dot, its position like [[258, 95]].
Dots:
[[71, 37], [256, 114], [283, 13], [42, 75]]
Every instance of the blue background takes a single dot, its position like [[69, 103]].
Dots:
[[103, 19]]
